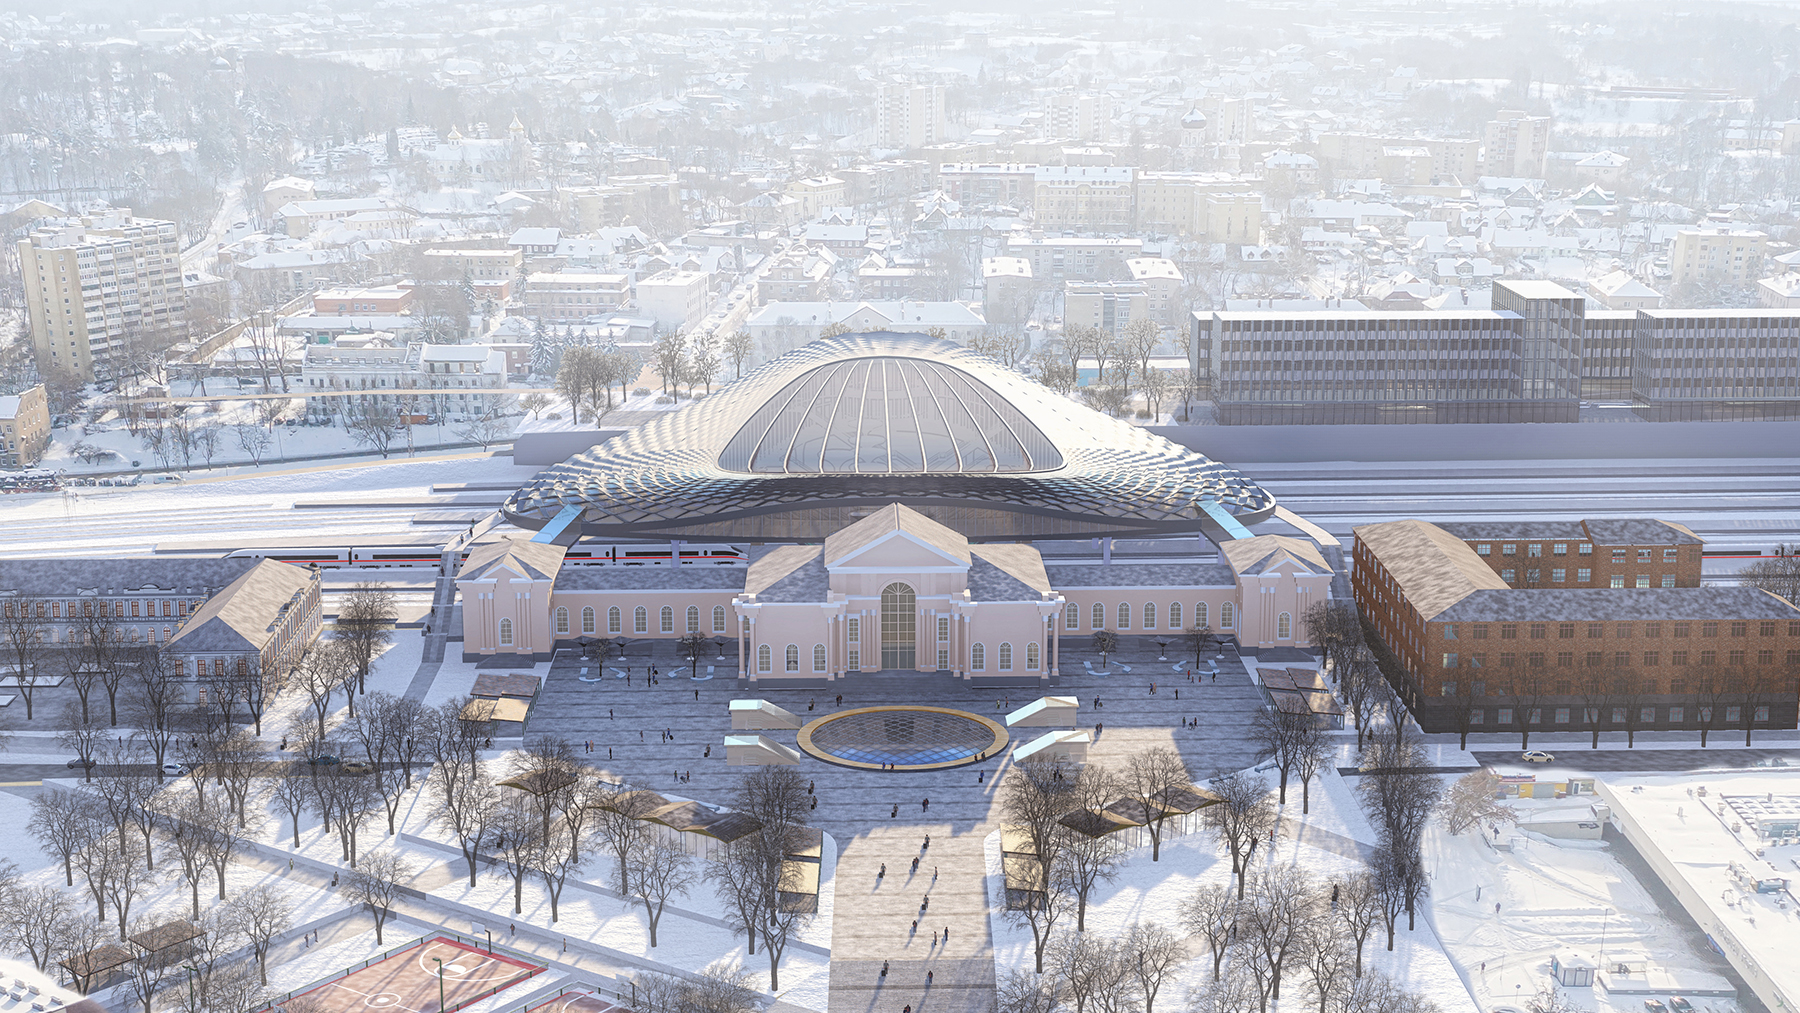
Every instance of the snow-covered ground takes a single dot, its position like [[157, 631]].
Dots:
[[1154, 892]]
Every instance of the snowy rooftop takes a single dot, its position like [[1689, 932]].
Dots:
[[1691, 835]]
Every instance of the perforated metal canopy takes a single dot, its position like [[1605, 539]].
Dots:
[[807, 443]]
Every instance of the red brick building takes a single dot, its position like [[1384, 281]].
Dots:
[[1475, 653], [1634, 552]]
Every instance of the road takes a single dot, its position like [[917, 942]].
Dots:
[[1580, 759]]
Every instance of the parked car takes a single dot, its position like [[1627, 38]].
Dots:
[[1681, 1005], [175, 769], [1536, 756], [82, 763], [1772, 761], [356, 767], [1655, 1006]]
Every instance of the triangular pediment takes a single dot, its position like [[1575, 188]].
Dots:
[[898, 550]]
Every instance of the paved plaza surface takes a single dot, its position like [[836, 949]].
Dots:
[[878, 817]]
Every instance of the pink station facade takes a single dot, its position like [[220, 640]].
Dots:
[[893, 591]]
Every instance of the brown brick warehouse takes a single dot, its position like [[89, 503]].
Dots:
[[1555, 629]]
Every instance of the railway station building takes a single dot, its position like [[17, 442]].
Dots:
[[891, 491]]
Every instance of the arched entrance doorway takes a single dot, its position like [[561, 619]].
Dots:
[[899, 627]]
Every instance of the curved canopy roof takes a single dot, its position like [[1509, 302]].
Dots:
[[809, 442], [885, 415]]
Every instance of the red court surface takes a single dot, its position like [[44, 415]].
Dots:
[[578, 1002], [407, 982]]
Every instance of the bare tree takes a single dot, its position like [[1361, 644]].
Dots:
[[1033, 800], [718, 988], [327, 667], [1152, 954], [619, 824], [1389, 884], [1273, 924], [23, 627], [1327, 957], [375, 885], [81, 738], [1019, 992], [262, 913], [253, 441], [1211, 914], [1088, 967], [659, 870], [1242, 816], [129, 877], [373, 424], [293, 792], [1092, 858], [1151, 779], [1199, 638], [736, 876], [1317, 754], [739, 347], [185, 830], [518, 840], [1359, 907], [1283, 738], [776, 798], [1778, 575], [31, 918], [153, 704], [64, 822], [1400, 794], [1474, 799]]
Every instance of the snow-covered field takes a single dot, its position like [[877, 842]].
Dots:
[[1154, 892]]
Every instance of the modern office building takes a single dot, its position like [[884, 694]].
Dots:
[[1471, 652], [811, 441], [100, 289], [1531, 358]]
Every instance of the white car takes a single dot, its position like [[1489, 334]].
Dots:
[[175, 769], [1536, 756]]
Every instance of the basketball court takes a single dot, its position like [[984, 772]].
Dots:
[[407, 981], [578, 1002]]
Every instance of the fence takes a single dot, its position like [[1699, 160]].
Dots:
[[479, 944]]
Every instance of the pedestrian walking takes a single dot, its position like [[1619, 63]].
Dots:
[[980, 777], [915, 865], [809, 787], [290, 865], [811, 702], [708, 752], [1099, 726], [609, 752], [896, 813], [815, 802], [840, 699], [927, 979], [1153, 689], [883, 871], [925, 805], [915, 928], [1178, 693], [609, 715], [565, 944], [927, 846], [884, 965], [696, 696], [946, 933]]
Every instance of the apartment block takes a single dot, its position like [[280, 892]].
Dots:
[[817, 193], [909, 116], [24, 427], [99, 289], [477, 265], [1515, 144], [1210, 207], [676, 300], [1470, 653], [1109, 306], [386, 300], [1363, 154], [1085, 197], [1071, 258], [1080, 116], [1717, 254], [416, 378], [1162, 281], [989, 184], [570, 296]]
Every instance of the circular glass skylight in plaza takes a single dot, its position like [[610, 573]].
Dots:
[[906, 738], [810, 441]]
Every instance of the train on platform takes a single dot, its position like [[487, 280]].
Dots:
[[389, 556]]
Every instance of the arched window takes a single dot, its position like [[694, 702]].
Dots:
[[899, 627], [613, 624], [668, 619], [1072, 616], [1124, 616], [1227, 615], [1174, 615], [1005, 657], [978, 657], [587, 619], [693, 619], [562, 619], [718, 619], [762, 658], [793, 657], [1199, 613], [1284, 626], [818, 657], [1099, 616], [133, 635], [506, 633], [1031, 656], [1149, 615], [640, 620]]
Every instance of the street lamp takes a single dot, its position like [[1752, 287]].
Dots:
[[192, 970], [440, 964]]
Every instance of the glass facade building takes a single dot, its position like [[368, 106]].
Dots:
[[1531, 358], [809, 442]]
